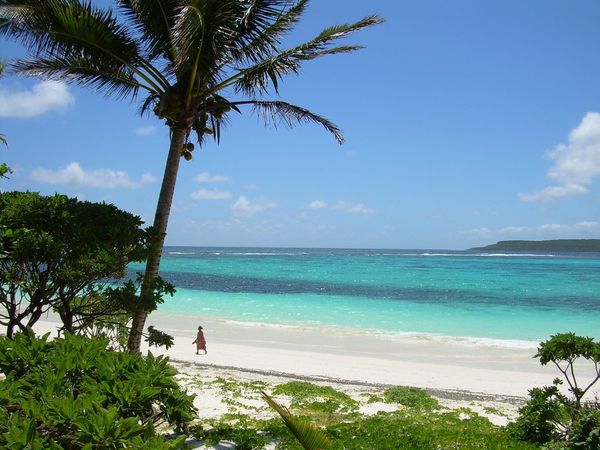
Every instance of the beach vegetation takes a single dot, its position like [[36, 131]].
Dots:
[[411, 397], [424, 425], [312, 397], [563, 350], [157, 338], [72, 393], [245, 438], [585, 432], [309, 436], [195, 63], [552, 418], [61, 253], [544, 418]]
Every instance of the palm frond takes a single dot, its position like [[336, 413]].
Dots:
[[153, 19], [279, 112], [255, 79], [70, 29], [307, 435], [150, 100], [3, 140], [259, 16], [65, 26], [203, 31], [113, 81], [265, 42], [9, 10]]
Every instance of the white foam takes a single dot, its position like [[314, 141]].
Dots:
[[182, 253], [267, 254], [466, 341], [457, 340], [487, 255], [250, 324]]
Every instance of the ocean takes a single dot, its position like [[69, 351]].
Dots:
[[512, 300]]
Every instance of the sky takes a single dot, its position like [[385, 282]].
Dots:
[[466, 122]]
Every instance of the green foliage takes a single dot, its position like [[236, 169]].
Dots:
[[551, 418], [410, 396], [308, 435], [245, 438], [539, 420], [409, 428], [425, 430], [563, 350], [72, 393], [56, 252], [316, 398], [585, 432], [157, 338], [4, 169]]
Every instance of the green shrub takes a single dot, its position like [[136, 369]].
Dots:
[[563, 350], [245, 438], [423, 430], [541, 417], [410, 396], [72, 393], [310, 396], [585, 432]]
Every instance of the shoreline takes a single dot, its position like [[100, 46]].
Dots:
[[321, 354], [254, 374]]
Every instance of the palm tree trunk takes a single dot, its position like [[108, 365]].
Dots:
[[161, 219]]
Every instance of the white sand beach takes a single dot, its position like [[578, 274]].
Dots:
[[452, 368]]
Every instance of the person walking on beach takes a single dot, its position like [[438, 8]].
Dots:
[[200, 341]]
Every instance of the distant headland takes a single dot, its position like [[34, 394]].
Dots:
[[556, 245]]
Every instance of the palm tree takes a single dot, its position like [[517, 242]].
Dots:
[[185, 55]]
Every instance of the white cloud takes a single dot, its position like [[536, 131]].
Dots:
[[552, 227], [145, 131], [206, 177], [74, 175], [148, 178], [354, 208], [576, 163], [513, 229], [552, 192], [587, 225], [317, 204], [482, 232], [243, 206], [43, 97], [210, 194]]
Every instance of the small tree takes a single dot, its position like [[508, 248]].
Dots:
[[563, 350], [60, 253]]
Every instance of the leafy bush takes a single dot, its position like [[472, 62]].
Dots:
[[57, 252], [542, 416], [410, 396], [563, 350], [550, 417], [72, 393], [245, 438], [585, 433], [316, 398]]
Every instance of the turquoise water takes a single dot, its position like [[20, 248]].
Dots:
[[492, 296]]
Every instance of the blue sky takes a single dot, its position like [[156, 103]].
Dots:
[[466, 122]]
